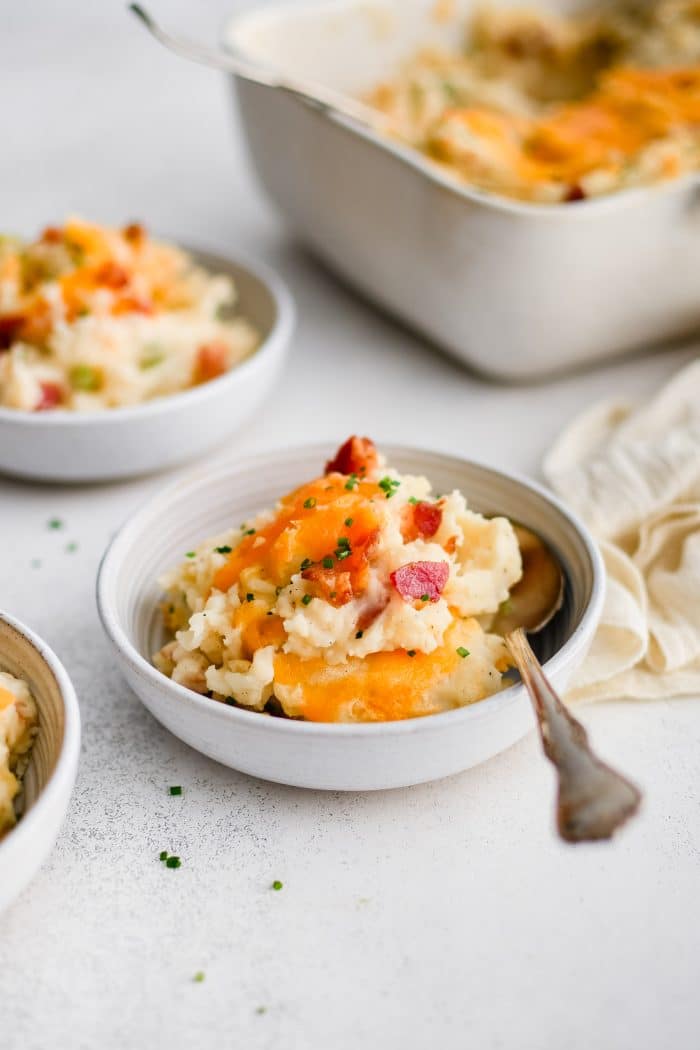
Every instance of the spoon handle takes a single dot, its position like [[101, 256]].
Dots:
[[319, 95], [593, 800]]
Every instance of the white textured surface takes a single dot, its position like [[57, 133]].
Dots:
[[446, 915]]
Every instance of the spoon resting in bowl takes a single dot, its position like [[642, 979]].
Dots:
[[319, 95], [593, 799]]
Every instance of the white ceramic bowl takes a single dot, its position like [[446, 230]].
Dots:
[[124, 442], [515, 290], [339, 757], [50, 776]]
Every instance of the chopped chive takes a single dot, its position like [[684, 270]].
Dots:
[[71, 547], [412, 499], [249, 532], [333, 594], [343, 541], [163, 855], [462, 651], [310, 502], [55, 523], [223, 550], [176, 790], [352, 482], [173, 862], [277, 885], [260, 1010], [389, 486], [344, 553], [198, 977], [327, 563], [306, 599], [250, 597], [231, 701], [305, 564], [190, 554], [425, 597], [348, 522], [411, 652], [359, 634]]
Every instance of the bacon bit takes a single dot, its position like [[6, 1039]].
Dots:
[[10, 326], [575, 194], [419, 578], [420, 519], [112, 275], [135, 233], [211, 361], [357, 456], [367, 618], [52, 235], [334, 587], [51, 396]]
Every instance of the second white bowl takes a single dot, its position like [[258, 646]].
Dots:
[[155, 435], [318, 755]]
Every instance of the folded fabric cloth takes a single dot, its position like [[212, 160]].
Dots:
[[633, 474]]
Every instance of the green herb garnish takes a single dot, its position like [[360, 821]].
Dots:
[[305, 564], [277, 885], [352, 482], [55, 523], [411, 652], [310, 502], [306, 600], [359, 634], [389, 486], [231, 701], [462, 651], [341, 554], [425, 597], [71, 547], [163, 855], [175, 790], [249, 532], [173, 862], [348, 522], [198, 977], [223, 550], [152, 355], [190, 554], [327, 563], [250, 597], [85, 377]]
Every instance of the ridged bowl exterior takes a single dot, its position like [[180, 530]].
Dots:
[[328, 756], [50, 776]]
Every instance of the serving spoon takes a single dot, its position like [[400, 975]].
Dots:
[[593, 800], [319, 95]]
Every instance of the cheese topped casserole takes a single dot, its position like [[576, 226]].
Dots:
[[361, 597], [549, 109]]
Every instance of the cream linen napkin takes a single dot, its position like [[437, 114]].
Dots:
[[633, 474]]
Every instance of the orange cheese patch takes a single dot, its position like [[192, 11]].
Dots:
[[382, 686], [6, 699], [311, 525]]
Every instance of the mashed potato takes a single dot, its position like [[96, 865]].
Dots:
[[361, 597], [94, 318], [548, 109], [18, 722]]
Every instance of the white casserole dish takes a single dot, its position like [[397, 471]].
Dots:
[[514, 290], [338, 757], [158, 434]]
